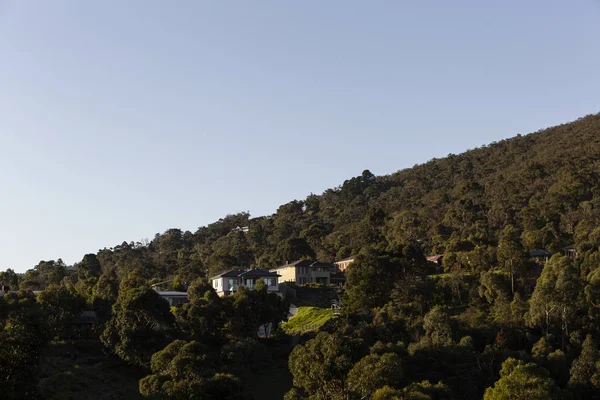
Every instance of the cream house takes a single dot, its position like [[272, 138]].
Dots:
[[343, 264], [305, 271]]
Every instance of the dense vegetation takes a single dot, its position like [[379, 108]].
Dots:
[[493, 324]]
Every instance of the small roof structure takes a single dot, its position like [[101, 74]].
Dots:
[[251, 273], [304, 263], [86, 317], [171, 293], [435, 258], [346, 259], [569, 247], [535, 253]]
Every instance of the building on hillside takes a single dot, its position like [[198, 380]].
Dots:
[[306, 271], [539, 256], [228, 282], [81, 327], [343, 264], [435, 263], [570, 251], [173, 298]]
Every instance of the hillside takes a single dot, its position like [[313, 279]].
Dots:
[[544, 184], [493, 322]]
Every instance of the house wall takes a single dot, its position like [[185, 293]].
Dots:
[[320, 274], [342, 265], [221, 284], [288, 274]]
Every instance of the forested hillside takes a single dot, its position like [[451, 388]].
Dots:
[[544, 184], [493, 322]]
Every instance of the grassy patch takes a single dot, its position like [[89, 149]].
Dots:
[[308, 319]]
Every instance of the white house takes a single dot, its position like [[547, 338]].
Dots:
[[228, 282], [174, 298]]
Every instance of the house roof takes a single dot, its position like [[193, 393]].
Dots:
[[346, 259], [304, 263], [251, 273], [171, 293], [539, 253], [435, 258], [569, 247], [86, 317]]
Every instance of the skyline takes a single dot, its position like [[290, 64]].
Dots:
[[121, 121]]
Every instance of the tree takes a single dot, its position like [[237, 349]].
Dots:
[[373, 372], [585, 371], [370, 280], [511, 254], [60, 306], [252, 309], [140, 324], [204, 317], [105, 295], [293, 249], [22, 337], [190, 370], [320, 366], [9, 278], [438, 332], [523, 381], [556, 298]]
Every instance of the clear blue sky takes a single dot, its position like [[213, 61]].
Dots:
[[119, 120]]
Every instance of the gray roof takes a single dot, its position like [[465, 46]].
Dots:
[[251, 273], [171, 293], [305, 263], [539, 253]]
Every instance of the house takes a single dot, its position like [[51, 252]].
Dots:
[[227, 283], [435, 263], [173, 298], [81, 327], [570, 251], [305, 271], [343, 264], [539, 256]]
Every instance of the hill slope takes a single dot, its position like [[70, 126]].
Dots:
[[544, 184]]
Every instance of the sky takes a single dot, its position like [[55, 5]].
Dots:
[[119, 120]]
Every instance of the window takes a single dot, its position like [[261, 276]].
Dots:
[[216, 283], [232, 284], [271, 281]]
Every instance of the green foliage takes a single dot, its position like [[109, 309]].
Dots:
[[205, 316], [22, 336], [585, 371], [527, 381], [140, 324], [189, 370], [369, 281], [557, 297], [373, 372], [327, 377], [61, 306]]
